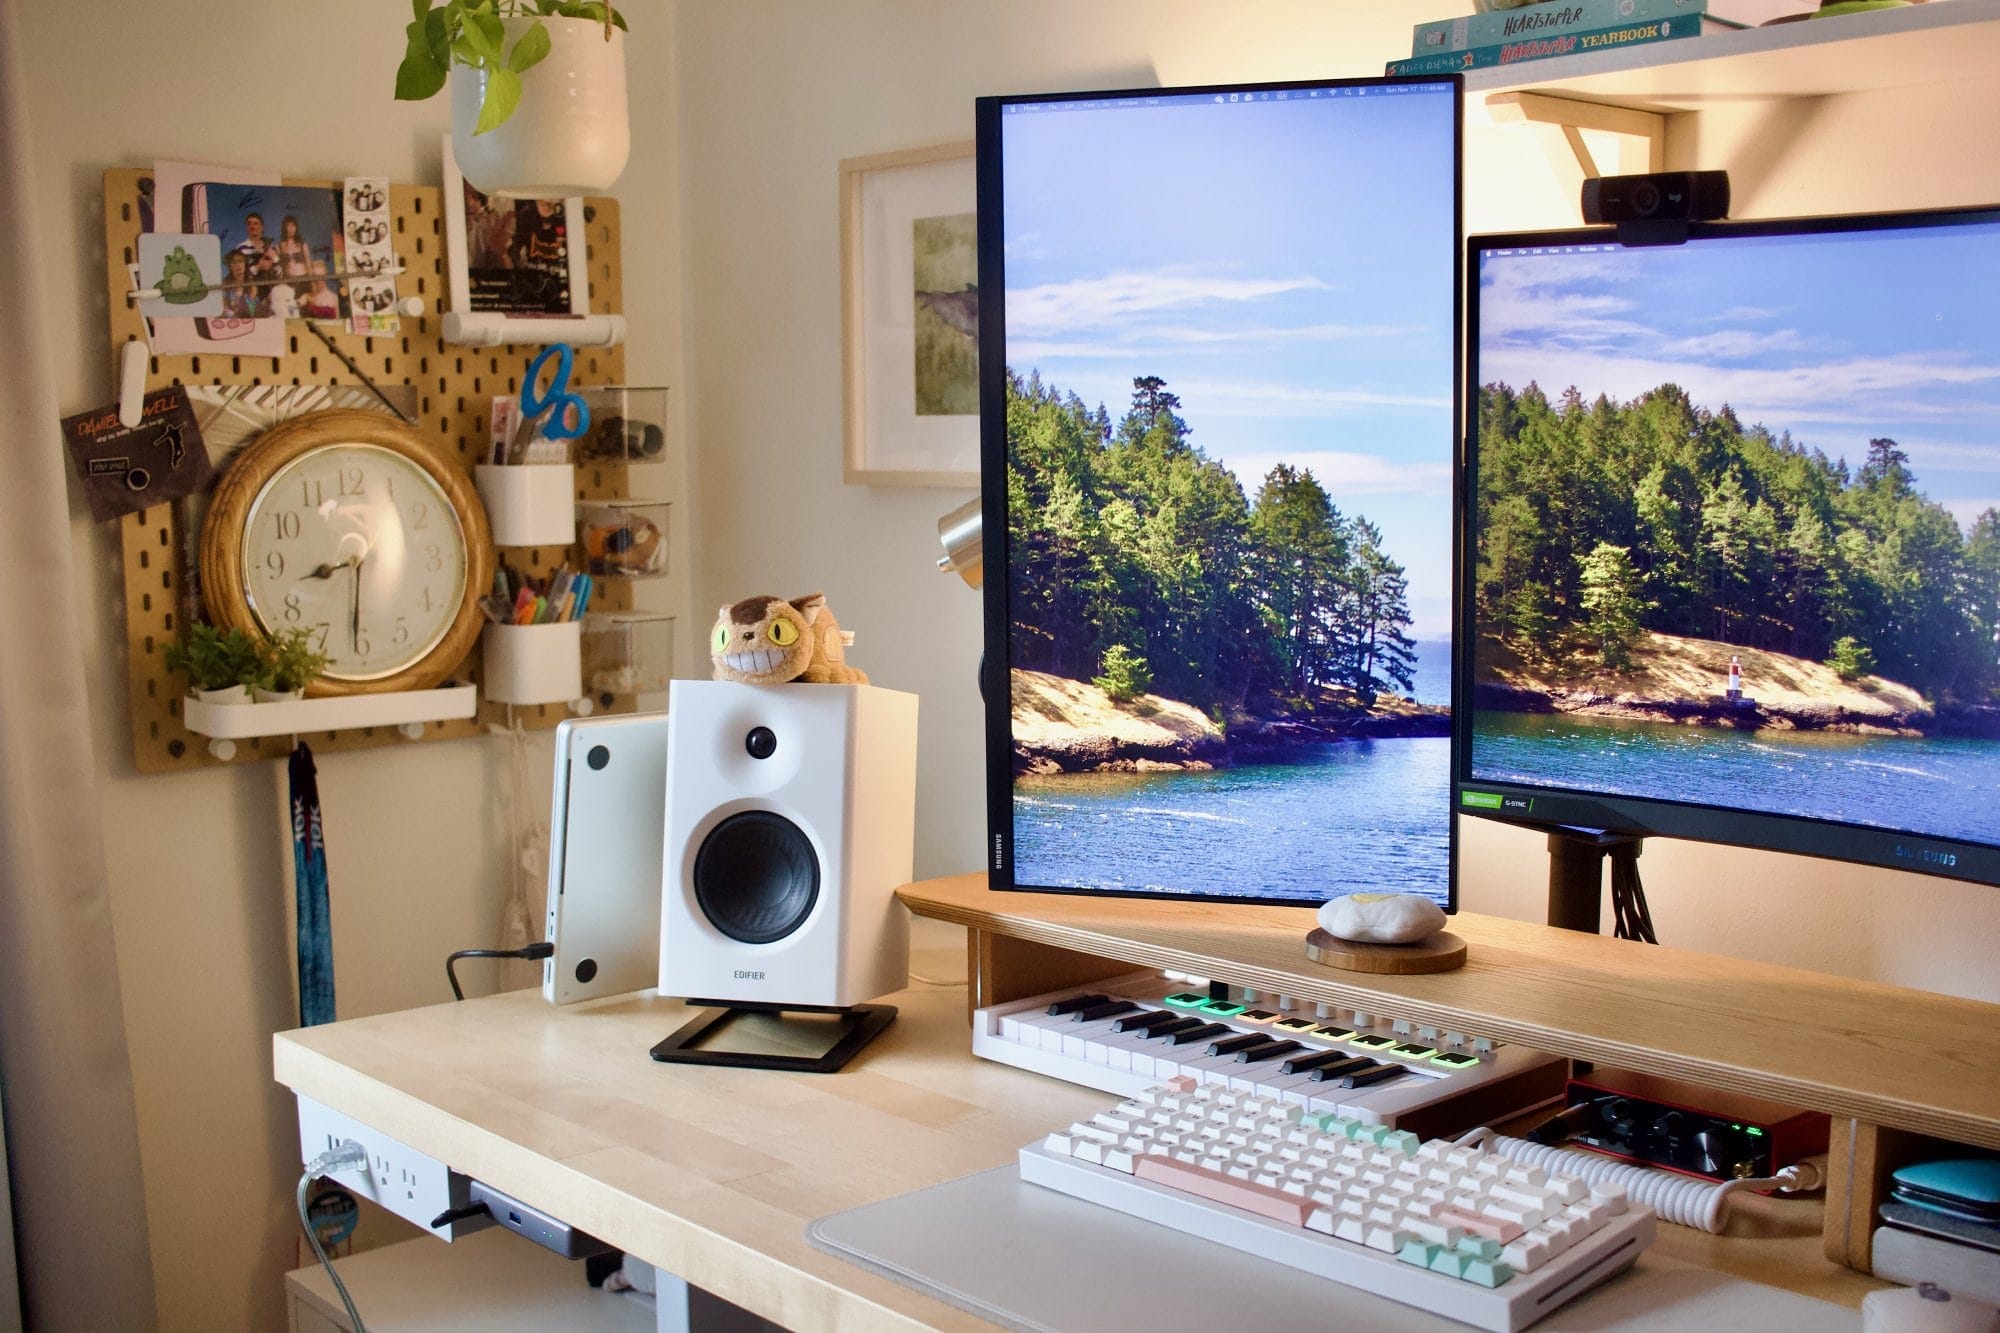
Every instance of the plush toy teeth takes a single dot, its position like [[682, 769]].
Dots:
[[757, 661]]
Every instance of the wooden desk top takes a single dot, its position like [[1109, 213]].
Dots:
[[1881, 1054], [714, 1173]]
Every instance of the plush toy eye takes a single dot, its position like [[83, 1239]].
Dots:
[[783, 633], [720, 639]]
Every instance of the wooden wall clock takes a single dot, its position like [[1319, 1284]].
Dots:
[[348, 524]]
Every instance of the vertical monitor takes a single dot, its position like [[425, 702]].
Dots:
[[1732, 569], [1218, 371]]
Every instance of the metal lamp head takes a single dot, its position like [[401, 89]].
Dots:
[[962, 534]]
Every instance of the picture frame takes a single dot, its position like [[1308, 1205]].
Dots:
[[909, 317], [562, 285]]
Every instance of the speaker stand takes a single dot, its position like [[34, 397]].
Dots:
[[862, 1024]]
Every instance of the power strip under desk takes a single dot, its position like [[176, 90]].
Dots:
[[1429, 1101]]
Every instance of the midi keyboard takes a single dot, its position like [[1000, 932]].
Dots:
[[1134, 1032]]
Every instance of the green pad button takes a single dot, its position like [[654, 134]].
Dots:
[[1455, 1060], [1186, 999], [1373, 1042], [1221, 1008]]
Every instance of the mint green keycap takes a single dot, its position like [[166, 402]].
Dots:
[[1402, 1141], [1419, 1252], [1450, 1263], [1479, 1247], [1487, 1273]]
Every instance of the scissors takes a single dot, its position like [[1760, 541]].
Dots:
[[568, 415]]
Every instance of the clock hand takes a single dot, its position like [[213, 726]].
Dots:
[[328, 571], [354, 625]]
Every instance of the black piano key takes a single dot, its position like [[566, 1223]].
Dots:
[[1181, 1023], [1319, 1059], [1361, 1078], [1270, 1050], [1105, 1010], [1200, 1032], [1074, 1003], [1147, 1019], [1231, 1045], [1332, 1073]]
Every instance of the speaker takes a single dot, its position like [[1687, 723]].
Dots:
[[791, 814]]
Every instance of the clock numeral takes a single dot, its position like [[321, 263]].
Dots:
[[433, 558], [287, 523], [350, 481], [318, 632], [275, 562], [402, 634], [311, 493], [424, 601], [294, 612], [420, 516], [362, 647]]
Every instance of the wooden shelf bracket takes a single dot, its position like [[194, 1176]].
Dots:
[[1574, 117]]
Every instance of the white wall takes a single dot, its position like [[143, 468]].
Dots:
[[778, 92], [418, 836]]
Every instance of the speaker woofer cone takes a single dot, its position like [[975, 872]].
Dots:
[[756, 877]]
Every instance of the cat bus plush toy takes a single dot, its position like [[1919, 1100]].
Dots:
[[768, 640]]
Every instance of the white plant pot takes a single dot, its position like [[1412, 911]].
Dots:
[[569, 135], [228, 694], [264, 696]]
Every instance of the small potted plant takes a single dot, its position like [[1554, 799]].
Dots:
[[537, 91], [287, 663], [219, 665]]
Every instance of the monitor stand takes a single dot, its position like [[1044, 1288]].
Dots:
[[1576, 874]]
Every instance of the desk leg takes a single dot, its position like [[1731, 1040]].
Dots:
[[1000, 968]]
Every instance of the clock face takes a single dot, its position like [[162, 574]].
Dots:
[[360, 545]]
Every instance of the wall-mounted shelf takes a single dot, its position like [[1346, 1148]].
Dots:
[[406, 710], [1942, 42]]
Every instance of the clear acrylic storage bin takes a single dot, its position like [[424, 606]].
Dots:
[[628, 424], [628, 652], [623, 539]]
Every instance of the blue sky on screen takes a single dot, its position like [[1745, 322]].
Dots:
[[1286, 268], [1835, 338]]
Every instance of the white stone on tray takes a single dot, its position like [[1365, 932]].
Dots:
[[1381, 918]]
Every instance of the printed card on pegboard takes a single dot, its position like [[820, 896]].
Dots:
[[126, 469]]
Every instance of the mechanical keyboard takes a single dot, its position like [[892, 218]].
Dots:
[[1458, 1231], [1133, 1032]]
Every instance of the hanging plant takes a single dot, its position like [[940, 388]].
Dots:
[[471, 33]]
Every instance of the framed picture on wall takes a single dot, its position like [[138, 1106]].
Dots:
[[521, 257], [910, 317]]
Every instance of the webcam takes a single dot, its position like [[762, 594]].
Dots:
[[1655, 208]]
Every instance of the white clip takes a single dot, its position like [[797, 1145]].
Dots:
[[222, 749], [131, 383], [411, 731]]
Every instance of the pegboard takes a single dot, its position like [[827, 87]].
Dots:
[[454, 386]]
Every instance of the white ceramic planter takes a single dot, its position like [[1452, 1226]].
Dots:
[[569, 135]]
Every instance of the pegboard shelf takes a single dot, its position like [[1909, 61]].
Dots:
[[289, 717]]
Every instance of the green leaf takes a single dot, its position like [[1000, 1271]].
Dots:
[[419, 76], [437, 37], [421, 8], [530, 50], [483, 34], [503, 94]]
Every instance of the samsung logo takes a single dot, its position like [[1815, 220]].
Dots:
[[999, 851], [741, 975], [1930, 856]]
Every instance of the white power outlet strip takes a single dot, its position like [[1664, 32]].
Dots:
[[409, 1184]]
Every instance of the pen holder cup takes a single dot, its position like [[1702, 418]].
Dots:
[[628, 652], [534, 664], [623, 539], [628, 425], [529, 504]]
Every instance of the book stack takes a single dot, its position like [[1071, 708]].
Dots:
[[1551, 28]]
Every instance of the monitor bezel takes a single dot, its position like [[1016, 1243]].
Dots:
[[995, 664], [1550, 808]]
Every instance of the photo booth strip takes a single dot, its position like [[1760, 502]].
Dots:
[[369, 229]]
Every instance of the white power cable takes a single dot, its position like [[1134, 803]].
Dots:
[[1687, 1200], [345, 1153]]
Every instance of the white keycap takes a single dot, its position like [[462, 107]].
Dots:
[[1610, 1194], [1351, 1228], [1321, 1220], [1526, 1254], [1119, 1159], [1087, 1150], [1059, 1143]]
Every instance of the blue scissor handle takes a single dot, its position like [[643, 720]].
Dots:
[[569, 414]]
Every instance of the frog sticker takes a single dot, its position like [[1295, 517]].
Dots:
[[180, 278], [179, 274]]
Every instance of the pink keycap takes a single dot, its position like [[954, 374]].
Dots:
[[1479, 1224], [1263, 1201]]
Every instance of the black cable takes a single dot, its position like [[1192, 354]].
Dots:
[[534, 952]]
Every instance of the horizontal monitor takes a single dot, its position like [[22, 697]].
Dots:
[[1732, 562]]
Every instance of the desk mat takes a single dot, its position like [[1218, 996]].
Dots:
[[1029, 1258]]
